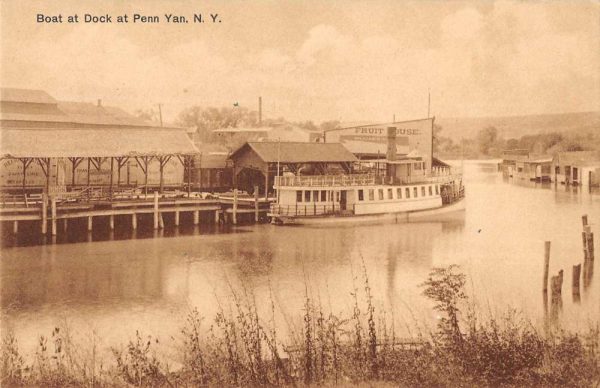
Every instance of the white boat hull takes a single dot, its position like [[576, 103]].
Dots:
[[442, 213]]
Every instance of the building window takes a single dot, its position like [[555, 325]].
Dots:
[[399, 193], [430, 190], [337, 196], [299, 196], [316, 195], [371, 195], [417, 166], [307, 196], [390, 194], [323, 196], [380, 192], [422, 191], [437, 190], [415, 192], [361, 195], [407, 192]]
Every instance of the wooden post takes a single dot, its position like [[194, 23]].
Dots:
[[267, 182], [88, 171], [53, 214], [196, 217], [112, 162], [235, 205], [134, 221], [576, 277], [65, 225], [156, 210], [161, 221], [111, 221], [546, 264], [15, 227], [176, 217], [217, 216], [255, 203], [44, 213], [90, 223]]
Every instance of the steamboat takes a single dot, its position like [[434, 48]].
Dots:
[[394, 189]]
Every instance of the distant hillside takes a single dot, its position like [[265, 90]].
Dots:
[[517, 126]]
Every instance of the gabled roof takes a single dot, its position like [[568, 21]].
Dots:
[[26, 95], [62, 143], [297, 152]]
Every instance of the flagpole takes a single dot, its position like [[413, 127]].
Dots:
[[278, 159]]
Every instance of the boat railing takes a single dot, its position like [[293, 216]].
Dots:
[[305, 209], [360, 180], [328, 180]]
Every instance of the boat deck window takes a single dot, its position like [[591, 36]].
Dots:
[[316, 195], [299, 196], [407, 192], [361, 195], [307, 196], [371, 195], [422, 191], [380, 192], [415, 192], [430, 190], [399, 193], [323, 195], [390, 194], [437, 190]]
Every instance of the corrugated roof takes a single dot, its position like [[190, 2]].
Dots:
[[299, 152], [60, 143], [26, 95]]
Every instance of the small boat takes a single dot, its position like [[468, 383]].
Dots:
[[334, 199]]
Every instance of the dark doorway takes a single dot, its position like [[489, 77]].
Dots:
[[343, 200]]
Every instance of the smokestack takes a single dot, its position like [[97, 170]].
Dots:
[[259, 110], [391, 143], [99, 103]]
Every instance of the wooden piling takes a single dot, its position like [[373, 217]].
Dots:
[[546, 264], [235, 206], [196, 217], [112, 221], [576, 277], [44, 213], [156, 210], [134, 221], [255, 203], [53, 214], [176, 217]]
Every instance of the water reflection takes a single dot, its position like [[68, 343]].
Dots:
[[145, 279]]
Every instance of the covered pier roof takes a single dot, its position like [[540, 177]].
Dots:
[[117, 142]]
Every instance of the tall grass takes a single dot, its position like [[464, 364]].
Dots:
[[237, 347]]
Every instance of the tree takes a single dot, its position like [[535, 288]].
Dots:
[[487, 139], [206, 120]]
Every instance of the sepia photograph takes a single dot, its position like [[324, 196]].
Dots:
[[280, 193]]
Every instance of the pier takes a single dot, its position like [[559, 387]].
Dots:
[[54, 211]]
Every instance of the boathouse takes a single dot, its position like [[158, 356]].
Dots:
[[509, 160], [65, 146], [533, 168], [577, 168], [257, 163]]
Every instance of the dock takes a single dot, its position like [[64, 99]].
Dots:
[[54, 211]]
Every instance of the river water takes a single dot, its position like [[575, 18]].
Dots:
[[106, 290]]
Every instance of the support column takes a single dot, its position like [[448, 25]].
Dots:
[[112, 221], [44, 213], [267, 182], [156, 210], [196, 217], [235, 206], [176, 217], [15, 227], [217, 213], [255, 203], [90, 222], [134, 221], [53, 212], [161, 221]]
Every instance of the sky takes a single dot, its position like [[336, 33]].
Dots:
[[313, 60]]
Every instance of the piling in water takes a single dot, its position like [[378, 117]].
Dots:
[[546, 265], [575, 283]]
